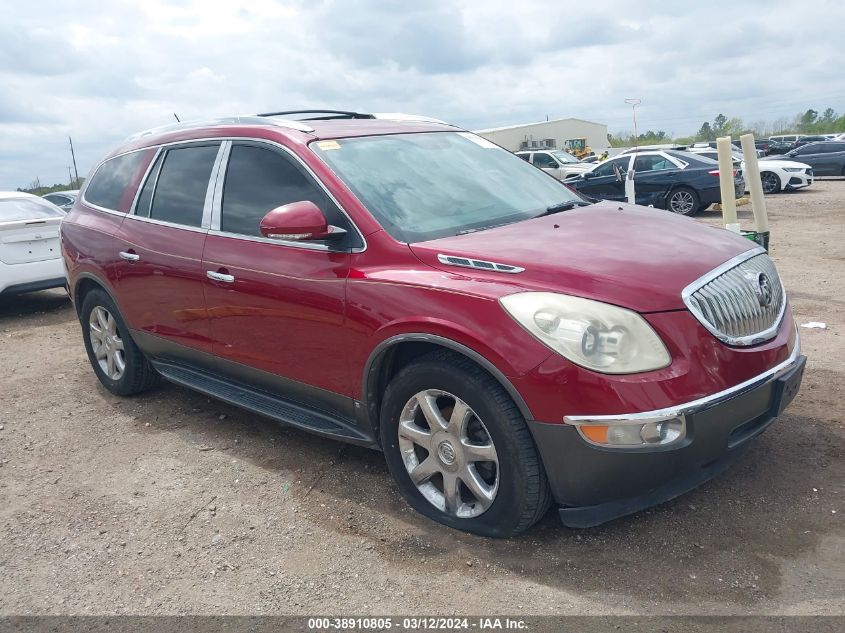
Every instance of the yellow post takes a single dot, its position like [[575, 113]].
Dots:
[[755, 185], [726, 183]]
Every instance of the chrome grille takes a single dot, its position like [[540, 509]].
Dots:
[[742, 302]]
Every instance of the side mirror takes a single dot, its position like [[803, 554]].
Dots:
[[297, 221], [553, 165], [587, 174]]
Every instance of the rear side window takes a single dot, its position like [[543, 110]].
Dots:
[[109, 183], [259, 180], [181, 183]]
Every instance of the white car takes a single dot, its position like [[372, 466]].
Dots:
[[30, 252], [776, 175], [556, 162]]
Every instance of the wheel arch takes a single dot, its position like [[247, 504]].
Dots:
[[395, 352], [85, 283]]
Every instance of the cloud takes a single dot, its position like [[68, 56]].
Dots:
[[101, 72]]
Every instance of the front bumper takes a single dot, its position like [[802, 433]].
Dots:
[[798, 180], [595, 484]]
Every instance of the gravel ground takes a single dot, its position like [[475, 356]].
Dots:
[[171, 503]]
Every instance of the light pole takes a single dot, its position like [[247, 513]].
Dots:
[[634, 103]]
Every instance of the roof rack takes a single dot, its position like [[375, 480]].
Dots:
[[274, 118], [250, 119], [332, 114]]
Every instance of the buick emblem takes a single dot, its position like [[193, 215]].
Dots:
[[763, 290]]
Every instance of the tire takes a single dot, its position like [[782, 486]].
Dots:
[[683, 201], [108, 352], [516, 492], [771, 182]]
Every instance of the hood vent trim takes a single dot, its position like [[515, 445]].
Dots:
[[478, 264]]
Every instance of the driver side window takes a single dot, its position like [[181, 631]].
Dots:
[[259, 179], [606, 168], [544, 160]]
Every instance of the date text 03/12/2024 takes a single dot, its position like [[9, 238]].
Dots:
[[416, 624]]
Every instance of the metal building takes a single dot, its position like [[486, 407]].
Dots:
[[548, 134]]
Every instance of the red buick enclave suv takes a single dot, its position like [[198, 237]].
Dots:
[[402, 284]]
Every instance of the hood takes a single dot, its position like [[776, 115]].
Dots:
[[636, 257], [781, 162]]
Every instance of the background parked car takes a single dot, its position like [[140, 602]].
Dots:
[[62, 199], [681, 182], [804, 140], [30, 255], [826, 159], [778, 147], [786, 138], [558, 163], [775, 175]]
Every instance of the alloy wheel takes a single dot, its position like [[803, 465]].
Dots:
[[448, 453], [681, 202], [106, 343], [770, 182]]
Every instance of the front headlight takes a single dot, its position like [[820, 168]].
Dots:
[[595, 335], [794, 169]]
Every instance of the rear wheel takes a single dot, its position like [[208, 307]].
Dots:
[[771, 182], [683, 201], [115, 358], [460, 450]]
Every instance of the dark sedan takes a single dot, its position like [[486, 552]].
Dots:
[[806, 140], [681, 182], [826, 158]]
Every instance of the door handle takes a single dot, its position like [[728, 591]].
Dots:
[[214, 276], [130, 256]]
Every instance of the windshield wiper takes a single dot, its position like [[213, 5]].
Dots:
[[563, 206]]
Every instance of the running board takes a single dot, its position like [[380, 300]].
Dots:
[[262, 403]]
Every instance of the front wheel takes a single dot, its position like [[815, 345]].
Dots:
[[771, 182], [460, 450], [683, 201]]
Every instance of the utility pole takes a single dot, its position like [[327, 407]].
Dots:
[[634, 103], [73, 156]]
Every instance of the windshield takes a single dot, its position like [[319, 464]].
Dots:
[[15, 209], [565, 157], [429, 185]]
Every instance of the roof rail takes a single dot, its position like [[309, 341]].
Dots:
[[332, 114], [347, 114], [249, 119], [401, 116], [274, 118]]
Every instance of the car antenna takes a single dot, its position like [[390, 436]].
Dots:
[[176, 117]]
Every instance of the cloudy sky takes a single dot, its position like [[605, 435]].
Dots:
[[99, 71]]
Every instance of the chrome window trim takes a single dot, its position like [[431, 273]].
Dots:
[[219, 179], [174, 225], [218, 201], [134, 206], [222, 139], [694, 406], [211, 189], [310, 246], [738, 341]]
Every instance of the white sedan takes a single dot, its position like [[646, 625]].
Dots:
[[776, 175], [30, 252]]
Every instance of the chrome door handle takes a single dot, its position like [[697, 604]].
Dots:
[[130, 257], [220, 277]]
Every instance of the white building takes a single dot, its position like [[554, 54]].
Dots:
[[547, 134]]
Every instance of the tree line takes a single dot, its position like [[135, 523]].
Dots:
[[810, 122]]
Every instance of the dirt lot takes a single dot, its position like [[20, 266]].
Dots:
[[173, 503]]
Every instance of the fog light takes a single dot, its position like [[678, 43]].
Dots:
[[635, 433]]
